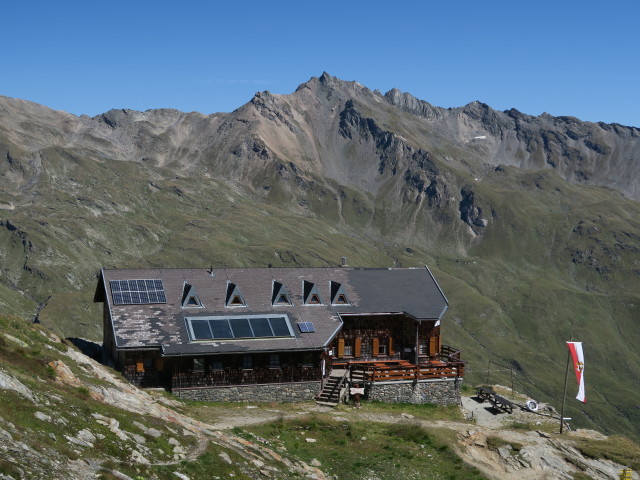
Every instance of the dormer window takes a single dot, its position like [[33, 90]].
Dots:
[[234, 297], [190, 297], [280, 295], [310, 294], [338, 294]]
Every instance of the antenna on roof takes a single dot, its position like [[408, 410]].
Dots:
[[211, 271], [343, 261]]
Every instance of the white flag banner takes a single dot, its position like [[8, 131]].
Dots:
[[578, 366]]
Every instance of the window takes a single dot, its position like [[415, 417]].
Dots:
[[217, 365], [348, 347], [423, 349], [238, 327], [338, 295], [280, 295], [247, 361], [310, 293], [149, 363], [234, 297], [307, 359], [366, 348], [198, 364], [190, 297], [274, 360], [382, 349]]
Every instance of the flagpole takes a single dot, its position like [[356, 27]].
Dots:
[[564, 394]]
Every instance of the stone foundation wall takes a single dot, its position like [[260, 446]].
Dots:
[[280, 392], [439, 392]]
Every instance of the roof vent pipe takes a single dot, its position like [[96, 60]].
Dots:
[[343, 261], [211, 274]]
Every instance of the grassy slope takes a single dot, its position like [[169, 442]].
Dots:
[[537, 277]]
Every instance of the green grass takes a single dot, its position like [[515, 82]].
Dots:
[[425, 411], [357, 449], [615, 448], [494, 443]]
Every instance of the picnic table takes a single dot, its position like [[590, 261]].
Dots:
[[498, 402]]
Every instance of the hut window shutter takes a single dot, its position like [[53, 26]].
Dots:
[[341, 347], [357, 347], [376, 347]]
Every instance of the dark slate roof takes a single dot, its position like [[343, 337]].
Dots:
[[413, 291]]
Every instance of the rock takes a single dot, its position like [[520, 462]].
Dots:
[[315, 462], [225, 458], [505, 452], [179, 450], [264, 472], [542, 434], [406, 415], [173, 441], [86, 436], [42, 416], [7, 382], [155, 433], [181, 476], [64, 373], [311, 440], [4, 435], [137, 457], [137, 438], [15, 340], [78, 441]]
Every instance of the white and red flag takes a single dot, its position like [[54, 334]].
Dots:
[[578, 366]]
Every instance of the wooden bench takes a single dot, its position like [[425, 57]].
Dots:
[[498, 402]]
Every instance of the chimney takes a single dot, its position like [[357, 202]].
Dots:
[[343, 261]]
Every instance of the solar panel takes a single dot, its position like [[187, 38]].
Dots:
[[240, 326], [137, 292], [306, 327]]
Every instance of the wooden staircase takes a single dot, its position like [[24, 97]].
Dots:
[[330, 394]]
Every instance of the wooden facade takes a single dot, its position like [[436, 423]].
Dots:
[[386, 337]]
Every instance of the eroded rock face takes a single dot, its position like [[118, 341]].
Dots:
[[470, 212]]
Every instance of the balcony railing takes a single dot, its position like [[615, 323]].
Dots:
[[245, 376], [432, 370]]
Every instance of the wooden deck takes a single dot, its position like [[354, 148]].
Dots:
[[380, 372], [445, 365]]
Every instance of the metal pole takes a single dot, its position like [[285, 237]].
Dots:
[[417, 343], [488, 367], [513, 394], [564, 394]]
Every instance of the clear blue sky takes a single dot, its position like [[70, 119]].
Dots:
[[563, 57]]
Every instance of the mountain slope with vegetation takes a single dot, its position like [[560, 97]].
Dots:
[[530, 224], [65, 416]]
